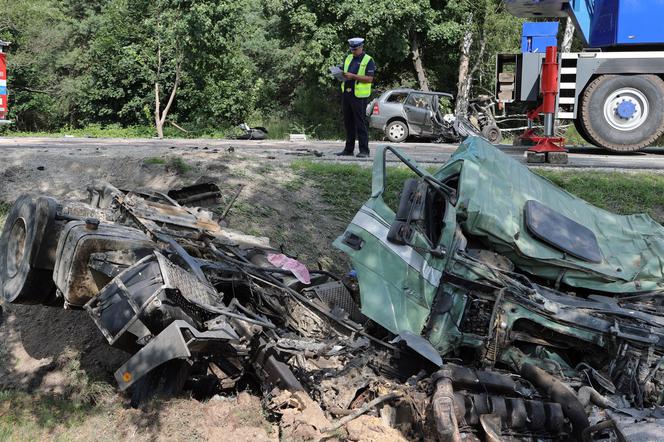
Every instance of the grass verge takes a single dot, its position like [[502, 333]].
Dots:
[[174, 164], [178, 165], [346, 187], [38, 417], [618, 192], [154, 160]]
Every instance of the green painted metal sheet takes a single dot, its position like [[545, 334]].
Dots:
[[493, 191]]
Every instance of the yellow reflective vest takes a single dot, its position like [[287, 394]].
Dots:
[[362, 90]]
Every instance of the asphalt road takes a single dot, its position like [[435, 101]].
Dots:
[[579, 157]]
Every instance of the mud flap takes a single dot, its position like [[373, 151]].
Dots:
[[168, 345]]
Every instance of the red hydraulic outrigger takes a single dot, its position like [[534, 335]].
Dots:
[[549, 91]]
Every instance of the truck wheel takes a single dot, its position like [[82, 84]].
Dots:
[[623, 113], [578, 125], [396, 131], [28, 224], [492, 134]]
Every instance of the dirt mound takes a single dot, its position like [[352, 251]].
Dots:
[[238, 418], [52, 350]]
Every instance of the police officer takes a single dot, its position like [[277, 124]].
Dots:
[[359, 69]]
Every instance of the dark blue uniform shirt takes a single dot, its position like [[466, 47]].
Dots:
[[354, 67]]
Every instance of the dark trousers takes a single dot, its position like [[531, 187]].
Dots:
[[354, 110]]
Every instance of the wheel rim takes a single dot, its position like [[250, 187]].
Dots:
[[16, 247], [626, 109], [397, 131]]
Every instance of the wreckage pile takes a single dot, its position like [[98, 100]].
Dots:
[[488, 305]]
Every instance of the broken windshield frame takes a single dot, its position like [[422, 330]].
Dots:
[[378, 179]]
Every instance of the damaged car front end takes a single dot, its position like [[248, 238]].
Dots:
[[487, 305]]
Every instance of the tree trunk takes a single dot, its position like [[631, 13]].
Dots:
[[463, 85], [157, 101], [477, 64], [417, 63], [159, 115], [566, 45]]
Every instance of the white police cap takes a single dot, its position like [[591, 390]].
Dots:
[[355, 42]]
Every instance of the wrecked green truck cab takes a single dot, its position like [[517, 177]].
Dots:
[[498, 267]]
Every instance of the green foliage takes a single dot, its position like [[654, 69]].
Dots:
[[83, 64], [178, 165], [154, 160], [76, 63], [174, 164]]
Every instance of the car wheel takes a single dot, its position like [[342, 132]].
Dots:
[[492, 134], [623, 113], [26, 269], [396, 131]]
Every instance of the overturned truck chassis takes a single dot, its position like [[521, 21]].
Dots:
[[194, 302]]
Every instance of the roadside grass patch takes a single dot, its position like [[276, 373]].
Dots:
[[295, 185], [154, 160], [172, 164], [35, 417], [346, 187], [118, 131], [178, 165], [618, 192]]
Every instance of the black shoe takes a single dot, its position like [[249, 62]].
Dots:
[[362, 155], [343, 153]]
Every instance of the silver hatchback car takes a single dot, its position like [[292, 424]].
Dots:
[[400, 113]]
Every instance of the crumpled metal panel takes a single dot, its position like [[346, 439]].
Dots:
[[493, 192]]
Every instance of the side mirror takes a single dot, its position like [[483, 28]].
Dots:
[[411, 209], [400, 233], [412, 201]]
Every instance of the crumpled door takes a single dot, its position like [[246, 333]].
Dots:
[[397, 282]]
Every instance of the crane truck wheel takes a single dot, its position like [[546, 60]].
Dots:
[[25, 276], [581, 130], [623, 113]]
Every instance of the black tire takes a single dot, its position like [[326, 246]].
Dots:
[[604, 127], [492, 134], [26, 267], [578, 125], [397, 131]]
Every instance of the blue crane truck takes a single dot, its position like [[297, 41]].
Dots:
[[613, 90]]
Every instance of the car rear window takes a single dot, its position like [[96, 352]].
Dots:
[[397, 97]]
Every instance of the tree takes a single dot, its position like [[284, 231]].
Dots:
[[160, 60], [205, 63], [42, 63], [165, 25], [410, 41], [488, 29]]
